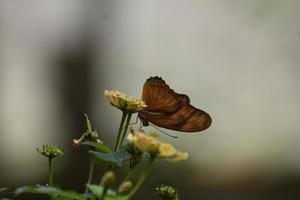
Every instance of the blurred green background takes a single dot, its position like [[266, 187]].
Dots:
[[237, 60]]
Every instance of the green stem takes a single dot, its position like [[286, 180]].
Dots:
[[91, 173], [128, 176], [124, 115], [141, 179], [124, 130], [103, 193], [50, 174], [120, 130]]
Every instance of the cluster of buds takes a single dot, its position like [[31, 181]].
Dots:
[[150, 144], [50, 151], [167, 192]]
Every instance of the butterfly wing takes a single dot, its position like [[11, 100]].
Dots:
[[158, 96], [187, 118]]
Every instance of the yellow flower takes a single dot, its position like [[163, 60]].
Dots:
[[144, 143], [124, 102], [179, 156], [166, 150], [154, 147]]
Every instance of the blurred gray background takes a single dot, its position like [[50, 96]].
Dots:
[[237, 60]]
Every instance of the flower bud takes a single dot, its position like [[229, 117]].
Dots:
[[108, 179], [125, 187], [50, 151]]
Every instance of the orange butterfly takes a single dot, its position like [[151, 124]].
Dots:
[[168, 109]]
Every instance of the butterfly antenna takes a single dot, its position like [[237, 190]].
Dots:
[[136, 121], [168, 134]]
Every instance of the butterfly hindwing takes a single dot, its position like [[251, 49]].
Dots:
[[187, 119], [168, 109]]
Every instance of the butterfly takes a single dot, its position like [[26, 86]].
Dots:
[[168, 109]]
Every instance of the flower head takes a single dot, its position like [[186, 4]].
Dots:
[[144, 142], [124, 102], [167, 192], [50, 151], [154, 147]]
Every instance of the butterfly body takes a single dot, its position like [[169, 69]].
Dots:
[[168, 109]]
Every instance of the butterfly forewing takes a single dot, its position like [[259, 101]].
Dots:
[[158, 96], [171, 110]]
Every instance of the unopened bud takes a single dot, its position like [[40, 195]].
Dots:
[[125, 187], [108, 179]]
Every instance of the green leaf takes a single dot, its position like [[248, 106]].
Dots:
[[37, 189], [7, 189], [101, 147], [71, 195], [64, 194], [97, 190], [116, 158], [118, 197]]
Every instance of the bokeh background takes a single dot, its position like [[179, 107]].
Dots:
[[237, 60]]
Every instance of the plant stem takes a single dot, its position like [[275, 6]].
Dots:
[[124, 130], [128, 176], [120, 130], [50, 174], [91, 173], [124, 115], [141, 179], [103, 193]]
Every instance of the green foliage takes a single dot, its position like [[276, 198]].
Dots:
[[116, 158], [7, 190], [98, 146], [98, 190], [51, 191]]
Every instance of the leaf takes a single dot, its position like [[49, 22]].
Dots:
[[116, 158], [105, 157], [117, 197], [88, 195], [101, 147], [37, 189], [71, 195], [6, 189], [97, 190], [64, 194]]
